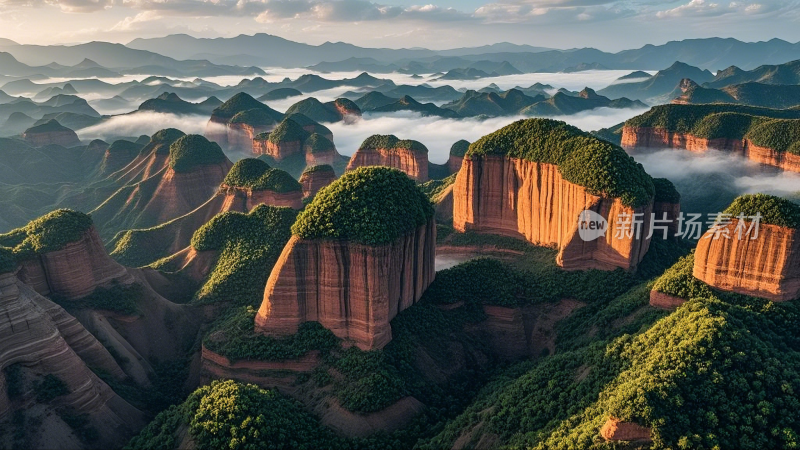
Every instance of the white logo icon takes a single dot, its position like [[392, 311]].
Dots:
[[591, 225]]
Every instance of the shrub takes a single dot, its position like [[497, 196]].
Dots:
[[194, 150], [235, 338], [370, 205], [317, 143], [124, 147], [7, 261], [318, 168], [248, 246], [49, 388], [161, 141], [118, 298], [678, 281], [433, 188], [315, 110], [49, 233], [254, 117], [665, 191], [391, 142], [288, 131], [459, 148], [242, 102], [256, 175], [601, 167], [304, 122], [774, 210]]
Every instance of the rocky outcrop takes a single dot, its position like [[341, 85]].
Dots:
[[529, 200], [236, 122], [75, 271], [316, 178], [244, 199], [671, 211], [44, 340], [51, 133], [279, 151], [410, 157], [352, 289], [306, 363], [767, 266], [668, 302], [454, 163], [444, 205], [616, 430], [646, 137]]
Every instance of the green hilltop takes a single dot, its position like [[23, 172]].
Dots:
[[601, 167], [370, 205], [391, 141], [194, 150]]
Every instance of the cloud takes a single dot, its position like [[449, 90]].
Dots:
[[139, 123], [713, 8], [550, 12]]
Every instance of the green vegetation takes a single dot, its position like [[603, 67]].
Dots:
[[49, 388], [433, 188], [459, 148], [305, 122], [235, 416], [117, 298], [318, 168], [347, 105], [370, 205], [7, 261], [391, 142], [242, 102], [599, 166], [317, 143], [254, 117], [611, 134], [678, 281], [15, 381], [773, 210], [287, 131], [248, 246], [777, 129], [256, 175], [161, 141], [49, 233], [124, 147], [234, 338], [194, 150], [665, 191], [316, 110]]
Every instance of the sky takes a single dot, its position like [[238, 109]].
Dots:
[[609, 25]]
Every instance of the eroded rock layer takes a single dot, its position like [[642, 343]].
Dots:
[[352, 289], [74, 271], [530, 200], [313, 181], [243, 199], [413, 163], [617, 430], [633, 137], [767, 266]]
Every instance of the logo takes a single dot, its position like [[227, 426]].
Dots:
[[591, 225]]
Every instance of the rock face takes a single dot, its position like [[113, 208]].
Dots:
[[236, 122], [661, 300], [519, 198], [392, 152], [454, 163], [261, 145], [352, 289], [672, 211], [74, 271], [617, 430], [315, 179], [634, 137], [51, 133], [768, 266], [243, 199], [42, 338]]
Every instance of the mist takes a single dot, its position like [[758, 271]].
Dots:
[[708, 182], [439, 134], [139, 123]]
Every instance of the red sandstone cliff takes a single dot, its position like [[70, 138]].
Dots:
[[352, 289], [44, 340], [454, 163], [243, 200], [768, 266], [280, 151], [74, 271], [633, 138], [529, 200], [413, 163], [313, 181]]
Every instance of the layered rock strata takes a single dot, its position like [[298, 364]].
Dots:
[[413, 163], [646, 137], [75, 271], [51, 133], [767, 266], [530, 200], [354, 290], [315, 179], [618, 430]]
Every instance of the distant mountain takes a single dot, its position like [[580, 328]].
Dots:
[[370, 65], [788, 73], [563, 104], [585, 66], [279, 94], [492, 104], [465, 74], [374, 100], [55, 90], [406, 103], [171, 103], [634, 76], [752, 94], [659, 85], [503, 68]]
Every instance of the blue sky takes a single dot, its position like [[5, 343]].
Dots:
[[606, 24]]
